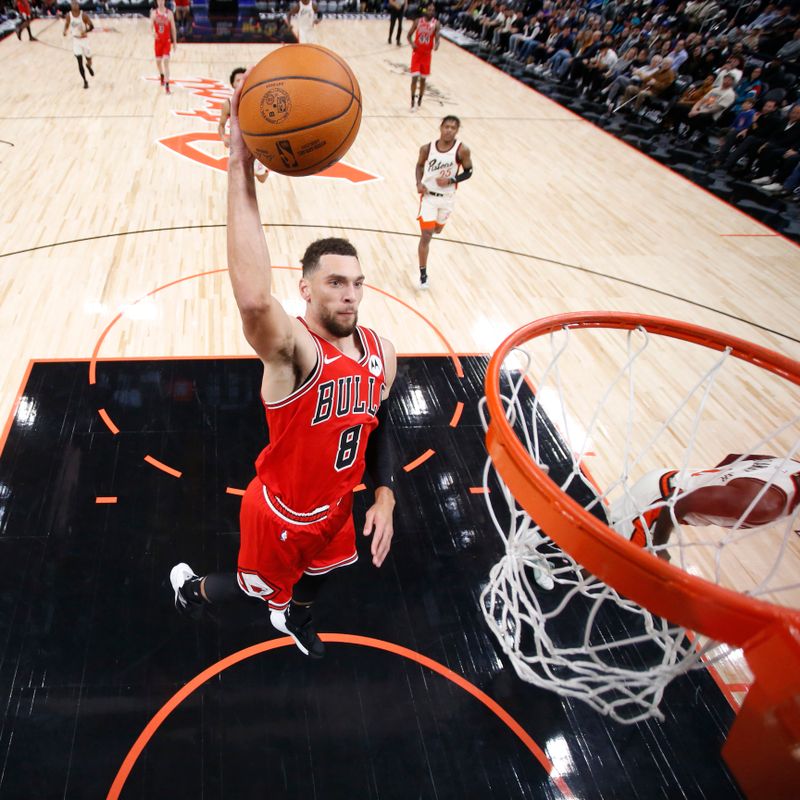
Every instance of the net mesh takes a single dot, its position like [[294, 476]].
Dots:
[[603, 441]]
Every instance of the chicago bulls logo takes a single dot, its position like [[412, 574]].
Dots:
[[198, 146]]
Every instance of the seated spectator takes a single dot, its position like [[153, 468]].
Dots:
[[529, 32], [744, 145], [790, 52], [655, 86], [684, 104], [732, 66], [778, 157], [710, 107], [748, 88], [623, 74]]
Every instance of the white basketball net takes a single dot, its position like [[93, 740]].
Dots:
[[562, 628]]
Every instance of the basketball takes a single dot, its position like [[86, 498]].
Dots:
[[300, 109]]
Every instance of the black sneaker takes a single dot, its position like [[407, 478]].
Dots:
[[179, 576], [423, 279], [305, 635]]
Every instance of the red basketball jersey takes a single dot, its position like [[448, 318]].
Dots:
[[161, 25], [24, 7], [425, 36], [318, 435]]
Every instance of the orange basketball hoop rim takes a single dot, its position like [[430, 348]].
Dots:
[[664, 589]]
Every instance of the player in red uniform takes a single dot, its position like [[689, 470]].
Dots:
[[165, 35], [24, 9], [325, 385], [183, 13], [424, 39]]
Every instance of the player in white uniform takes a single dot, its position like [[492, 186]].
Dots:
[[302, 18], [77, 22], [441, 165], [237, 79], [719, 496]]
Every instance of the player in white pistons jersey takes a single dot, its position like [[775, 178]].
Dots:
[[302, 18], [441, 165], [719, 496], [77, 22]]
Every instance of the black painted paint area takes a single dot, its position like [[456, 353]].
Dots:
[[92, 647]]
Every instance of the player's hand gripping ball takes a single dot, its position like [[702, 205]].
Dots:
[[300, 109]]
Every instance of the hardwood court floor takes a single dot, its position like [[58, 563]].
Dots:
[[101, 207]]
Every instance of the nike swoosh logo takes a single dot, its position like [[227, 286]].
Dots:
[[330, 360]]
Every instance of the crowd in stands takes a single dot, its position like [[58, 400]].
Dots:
[[716, 76]]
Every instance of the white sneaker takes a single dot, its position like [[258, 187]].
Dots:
[[761, 181], [772, 187], [423, 281], [178, 576]]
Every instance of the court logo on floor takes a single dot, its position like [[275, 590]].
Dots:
[[201, 146]]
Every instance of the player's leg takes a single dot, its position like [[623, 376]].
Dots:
[[427, 218], [422, 81], [413, 89], [79, 58], [87, 54], [165, 62], [160, 68], [399, 27]]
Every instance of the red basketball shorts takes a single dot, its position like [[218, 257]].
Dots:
[[274, 552], [421, 62], [163, 46]]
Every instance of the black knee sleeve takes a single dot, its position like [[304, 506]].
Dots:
[[221, 587], [307, 588]]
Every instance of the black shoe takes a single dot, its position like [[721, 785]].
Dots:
[[86, 84], [179, 576], [305, 635], [423, 279]]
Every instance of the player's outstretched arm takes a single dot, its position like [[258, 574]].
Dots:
[[267, 327], [173, 30], [378, 522], [88, 22]]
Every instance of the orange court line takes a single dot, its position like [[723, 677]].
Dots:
[[105, 500], [230, 490], [163, 467], [417, 461], [215, 669], [457, 414], [108, 421], [479, 490]]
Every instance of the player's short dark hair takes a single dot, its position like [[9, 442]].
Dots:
[[323, 247], [237, 71], [452, 118]]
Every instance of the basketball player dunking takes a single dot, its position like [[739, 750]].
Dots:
[[325, 385], [237, 79], [302, 18], [441, 166], [719, 496], [424, 39], [77, 22], [165, 36]]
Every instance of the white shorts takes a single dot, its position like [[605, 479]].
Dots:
[[434, 210], [80, 47], [306, 35]]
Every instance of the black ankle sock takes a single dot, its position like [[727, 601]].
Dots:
[[298, 614]]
